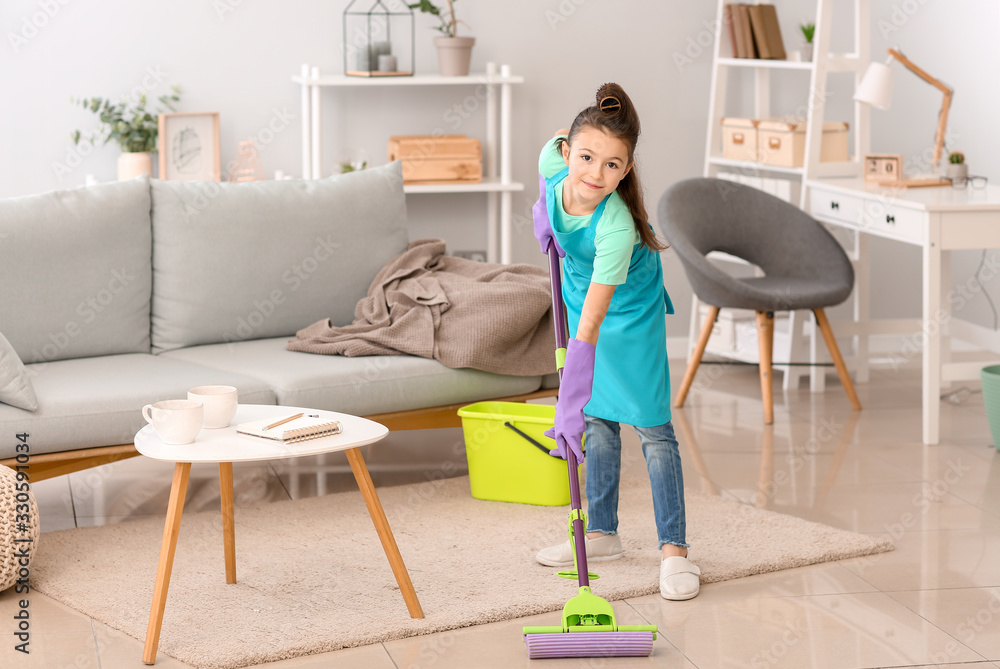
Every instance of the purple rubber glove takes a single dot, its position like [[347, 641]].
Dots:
[[575, 389], [543, 227]]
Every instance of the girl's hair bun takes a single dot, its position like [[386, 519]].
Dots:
[[610, 105], [609, 98]]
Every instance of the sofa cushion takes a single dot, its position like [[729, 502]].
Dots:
[[361, 386], [15, 386], [75, 271], [97, 401], [233, 262]]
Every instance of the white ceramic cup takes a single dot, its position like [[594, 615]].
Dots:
[[220, 404], [175, 421]]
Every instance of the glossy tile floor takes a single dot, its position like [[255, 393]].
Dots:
[[934, 601]]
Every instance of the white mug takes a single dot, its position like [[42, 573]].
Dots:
[[175, 421], [220, 404]]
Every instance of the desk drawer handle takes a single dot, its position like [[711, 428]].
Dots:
[[834, 205], [889, 218]]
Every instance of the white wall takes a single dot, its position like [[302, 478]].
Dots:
[[237, 57]]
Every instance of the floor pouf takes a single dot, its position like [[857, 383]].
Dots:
[[18, 528]]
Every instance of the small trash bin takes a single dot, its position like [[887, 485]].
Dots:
[[506, 467], [991, 398]]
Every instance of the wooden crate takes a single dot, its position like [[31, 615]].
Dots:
[[438, 158]]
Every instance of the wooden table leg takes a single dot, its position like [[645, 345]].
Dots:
[[171, 528], [364, 480], [228, 526]]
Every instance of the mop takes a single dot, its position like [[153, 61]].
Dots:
[[589, 628]]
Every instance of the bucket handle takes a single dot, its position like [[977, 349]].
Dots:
[[530, 440]]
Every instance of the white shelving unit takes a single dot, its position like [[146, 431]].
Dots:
[[497, 183], [823, 64], [791, 346]]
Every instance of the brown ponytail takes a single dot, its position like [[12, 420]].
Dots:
[[614, 113]]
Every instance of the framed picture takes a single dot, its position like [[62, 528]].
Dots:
[[188, 145]]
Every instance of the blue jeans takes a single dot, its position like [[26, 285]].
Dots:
[[663, 461]]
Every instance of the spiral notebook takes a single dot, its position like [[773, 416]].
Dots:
[[300, 429]]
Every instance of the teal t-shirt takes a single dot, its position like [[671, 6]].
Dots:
[[615, 236]]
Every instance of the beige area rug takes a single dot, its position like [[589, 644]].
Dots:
[[312, 576]]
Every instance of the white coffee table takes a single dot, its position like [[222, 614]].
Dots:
[[225, 446]]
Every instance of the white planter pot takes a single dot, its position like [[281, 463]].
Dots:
[[454, 55], [956, 171], [807, 52], [131, 165]]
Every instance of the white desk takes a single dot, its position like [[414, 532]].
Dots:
[[939, 220]]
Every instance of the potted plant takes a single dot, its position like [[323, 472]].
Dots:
[[957, 169], [131, 125], [808, 30], [454, 52]]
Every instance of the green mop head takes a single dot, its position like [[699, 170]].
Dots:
[[589, 629]]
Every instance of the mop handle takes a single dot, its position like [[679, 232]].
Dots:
[[559, 319], [558, 312]]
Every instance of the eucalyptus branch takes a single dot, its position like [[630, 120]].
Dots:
[[128, 122]]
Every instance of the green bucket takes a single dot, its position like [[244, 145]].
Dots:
[[991, 397], [503, 465]]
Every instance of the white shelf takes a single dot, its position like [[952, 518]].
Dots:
[[835, 62], [487, 185], [829, 170], [497, 184], [752, 165], [414, 80], [774, 64], [814, 97]]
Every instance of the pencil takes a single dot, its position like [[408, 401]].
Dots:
[[281, 422]]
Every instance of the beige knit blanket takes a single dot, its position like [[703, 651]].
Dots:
[[497, 318]]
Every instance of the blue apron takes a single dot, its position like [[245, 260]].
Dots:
[[631, 370]]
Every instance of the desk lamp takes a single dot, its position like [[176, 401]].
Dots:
[[876, 90]]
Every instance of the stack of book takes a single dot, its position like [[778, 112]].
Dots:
[[754, 31]]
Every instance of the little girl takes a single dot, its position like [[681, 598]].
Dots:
[[591, 208]]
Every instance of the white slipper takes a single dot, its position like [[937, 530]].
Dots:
[[679, 578], [607, 547]]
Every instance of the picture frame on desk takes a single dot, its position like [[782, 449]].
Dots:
[[188, 146]]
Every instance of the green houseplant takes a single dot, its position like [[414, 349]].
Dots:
[[956, 168], [131, 125], [454, 52], [808, 31]]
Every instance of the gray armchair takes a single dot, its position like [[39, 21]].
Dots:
[[804, 267]]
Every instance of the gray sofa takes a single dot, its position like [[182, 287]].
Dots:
[[122, 294]]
